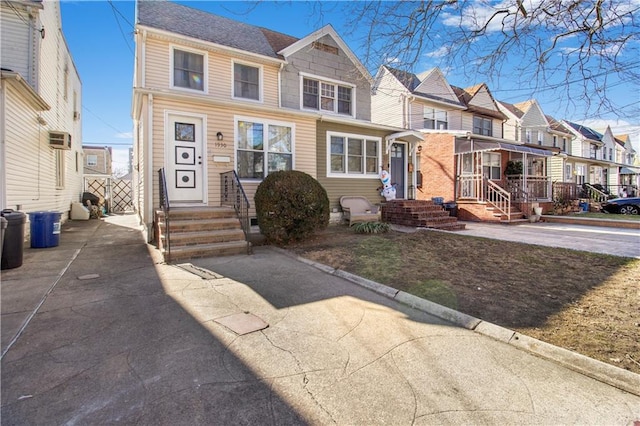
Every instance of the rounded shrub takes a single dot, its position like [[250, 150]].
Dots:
[[291, 206]]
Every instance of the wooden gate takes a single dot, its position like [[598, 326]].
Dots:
[[118, 193]]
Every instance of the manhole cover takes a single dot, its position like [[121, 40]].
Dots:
[[243, 323]]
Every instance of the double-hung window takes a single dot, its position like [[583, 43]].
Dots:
[[482, 126], [435, 119], [263, 147], [92, 160], [189, 70], [352, 155], [491, 165], [246, 81], [327, 96]]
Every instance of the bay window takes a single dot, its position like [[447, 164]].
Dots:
[[263, 147]]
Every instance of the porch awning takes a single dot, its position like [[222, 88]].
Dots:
[[629, 171], [464, 146], [410, 136]]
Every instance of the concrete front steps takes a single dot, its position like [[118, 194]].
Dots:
[[420, 214], [200, 232]]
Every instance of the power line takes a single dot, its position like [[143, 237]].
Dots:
[[116, 12], [101, 119]]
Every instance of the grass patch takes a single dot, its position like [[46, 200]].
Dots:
[[377, 259], [436, 291], [609, 216]]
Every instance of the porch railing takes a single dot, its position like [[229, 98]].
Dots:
[[594, 193], [499, 197], [565, 191], [533, 187], [233, 195], [470, 187], [165, 206]]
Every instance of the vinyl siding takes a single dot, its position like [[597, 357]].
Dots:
[[222, 120], [16, 42], [219, 82], [484, 100], [30, 164], [386, 103], [335, 67], [338, 187], [556, 169], [436, 85]]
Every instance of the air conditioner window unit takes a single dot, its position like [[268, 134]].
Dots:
[[60, 140]]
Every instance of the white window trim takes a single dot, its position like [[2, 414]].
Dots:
[[265, 123], [92, 157], [435, 112], [330, 81], [364, 175], [205, 66], [260, 82]]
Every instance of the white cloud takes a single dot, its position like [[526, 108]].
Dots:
[[441, 52]]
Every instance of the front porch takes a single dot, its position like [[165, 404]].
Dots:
[[497, 181]]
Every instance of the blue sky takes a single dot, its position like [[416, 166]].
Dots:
[[100, 37]]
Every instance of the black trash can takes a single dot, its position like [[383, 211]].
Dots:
[[13, 244], [45, 229], [451, 207]]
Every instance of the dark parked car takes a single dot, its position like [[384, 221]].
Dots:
[[629, 205]]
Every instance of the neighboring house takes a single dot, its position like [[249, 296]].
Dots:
[[591, 156], [464, 154], [97, 161], [215, 97], [626, 157], [40, 98]]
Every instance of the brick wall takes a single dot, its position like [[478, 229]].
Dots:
[[437, 164]]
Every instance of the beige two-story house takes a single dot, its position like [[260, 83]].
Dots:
[[219, 104]]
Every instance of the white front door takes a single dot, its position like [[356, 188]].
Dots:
[[185, 159]]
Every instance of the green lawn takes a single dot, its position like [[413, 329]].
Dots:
[[608, 216]]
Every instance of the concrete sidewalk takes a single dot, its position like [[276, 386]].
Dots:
[[113, 335]]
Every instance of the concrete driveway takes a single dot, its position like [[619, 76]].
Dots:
[[596, 239], [99, 330]]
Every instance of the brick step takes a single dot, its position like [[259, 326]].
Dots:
[[198, 213], [204, 237], [185, 225], [209, 250]]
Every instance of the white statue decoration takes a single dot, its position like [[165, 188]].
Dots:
[[388, 190]]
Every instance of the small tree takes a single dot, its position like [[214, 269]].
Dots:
[[291, 206]]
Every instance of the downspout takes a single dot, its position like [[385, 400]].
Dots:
[[149, 187], [280, 85], [409, 99]]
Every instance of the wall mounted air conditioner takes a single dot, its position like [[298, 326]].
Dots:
[[60, 140]]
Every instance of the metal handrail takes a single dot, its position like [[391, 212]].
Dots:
[[233, 195], [166, 207], [498, 197]]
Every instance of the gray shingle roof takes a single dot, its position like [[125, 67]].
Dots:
[[585, 131], [172, 17]]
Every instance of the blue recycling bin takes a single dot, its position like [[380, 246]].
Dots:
[[45, 229]]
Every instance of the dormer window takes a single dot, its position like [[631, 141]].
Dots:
[[327, 96]]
